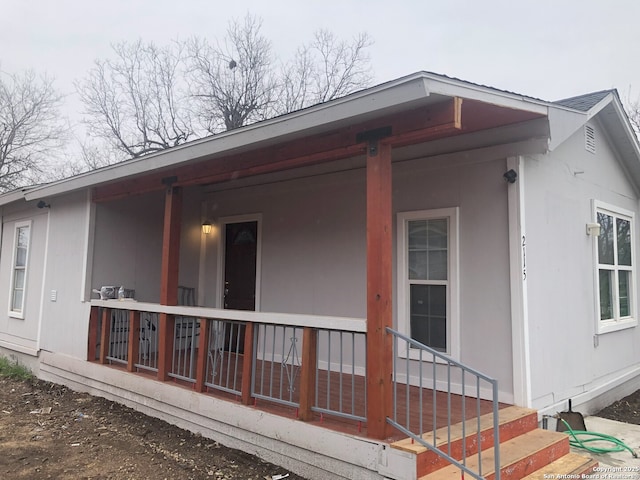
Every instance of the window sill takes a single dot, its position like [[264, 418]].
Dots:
[[613, 326], [18, 315], [414, 354]]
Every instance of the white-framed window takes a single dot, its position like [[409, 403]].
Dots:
[[615, 273], [17, 293], [428, 303]]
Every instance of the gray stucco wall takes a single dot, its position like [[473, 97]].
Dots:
[[314, 247], [568, 359], [23, 332]]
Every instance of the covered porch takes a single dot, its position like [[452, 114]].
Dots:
[[331, 351]]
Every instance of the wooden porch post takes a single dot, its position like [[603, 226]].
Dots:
[[93, 333], [247, 360], [308, 372], [169, 277], [134, 340], [379, 289], [105, 338], [201, 366]]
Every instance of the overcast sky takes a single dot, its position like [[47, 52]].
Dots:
[[548, 49]]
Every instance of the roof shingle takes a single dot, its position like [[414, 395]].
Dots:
[[585, 102]]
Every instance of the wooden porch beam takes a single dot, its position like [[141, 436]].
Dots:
[[379, 289], [415, 126]]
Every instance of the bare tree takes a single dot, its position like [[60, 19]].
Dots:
[[136, 102], [145, 99], [634, 115], [233, 83], [325, 69], [31, 129]]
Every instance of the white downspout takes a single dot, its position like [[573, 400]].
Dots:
[[518, 285]]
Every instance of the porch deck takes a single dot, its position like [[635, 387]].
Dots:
[[311, 368], [438, 407]]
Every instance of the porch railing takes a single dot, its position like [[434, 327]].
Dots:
[[307, 362], [409, 359]]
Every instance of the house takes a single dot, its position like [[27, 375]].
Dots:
[[499, 230]]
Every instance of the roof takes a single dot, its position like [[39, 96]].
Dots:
[[394, 96], [585, 102], [421, 88]]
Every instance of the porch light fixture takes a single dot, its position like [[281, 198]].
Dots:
[[593, 229], [206, 227]]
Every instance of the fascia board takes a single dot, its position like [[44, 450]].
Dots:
[[630, 134], [626, 144], [597, 108], [11, 197], [453, 88]]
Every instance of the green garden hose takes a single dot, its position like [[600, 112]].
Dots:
[[574, 441]]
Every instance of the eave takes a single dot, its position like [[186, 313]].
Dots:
[[419, 108]]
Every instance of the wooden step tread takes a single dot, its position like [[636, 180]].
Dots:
[[572, 463], [505, 415], [517, 454]]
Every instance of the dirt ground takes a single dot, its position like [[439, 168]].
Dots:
[[48, 431], [626, 410]]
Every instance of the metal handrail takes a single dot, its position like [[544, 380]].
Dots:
[[434, 357]]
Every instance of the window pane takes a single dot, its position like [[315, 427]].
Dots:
[[437, 233], [437, 266], [16, 303], [605, 240], [428, 305], [417, 234], [438, 334], [624, 279], [23, 237], [606, 295], [21, 257], [418, 265], [18, 279], [624, 241]]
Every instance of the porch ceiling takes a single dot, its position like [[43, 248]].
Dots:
[[439, 119]]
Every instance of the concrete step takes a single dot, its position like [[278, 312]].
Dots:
[[565, 467], [519, 457], [514, 421]]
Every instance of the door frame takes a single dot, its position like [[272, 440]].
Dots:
[[224, 221]]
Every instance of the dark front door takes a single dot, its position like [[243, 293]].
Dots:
[[241, 251]]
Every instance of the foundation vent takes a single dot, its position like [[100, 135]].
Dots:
[[589, 139]]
